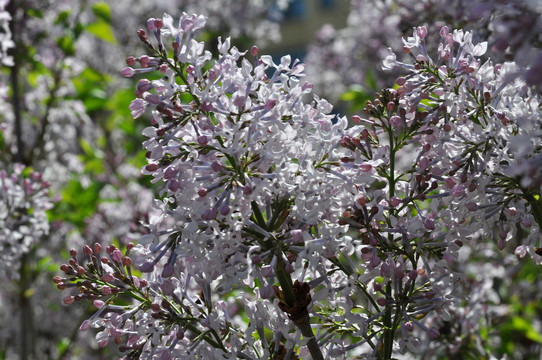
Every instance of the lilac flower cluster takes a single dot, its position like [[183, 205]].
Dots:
[[5, 35], [281, 231], [350, 57], [24, 200]]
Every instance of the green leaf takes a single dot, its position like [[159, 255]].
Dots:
[[46, 264], [87, 148], [78, 202], [66, 44], [63, 345], [357, 96], [62, 18], [102, 11], [34, 13], [89, 85], [102, 30]]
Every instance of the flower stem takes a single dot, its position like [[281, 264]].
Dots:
[[304, 325]]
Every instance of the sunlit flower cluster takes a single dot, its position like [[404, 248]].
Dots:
[[332, 241], [350, 58]]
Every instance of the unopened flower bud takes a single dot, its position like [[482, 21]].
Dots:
[[127, 72], [116, 255], [381, 301], [87, 250], [85, 325], [429, 224]]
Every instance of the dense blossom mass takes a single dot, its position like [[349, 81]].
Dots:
[[281, 231], [350, 58]]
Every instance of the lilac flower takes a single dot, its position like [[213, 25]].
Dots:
[[24, 200], [332, 240]]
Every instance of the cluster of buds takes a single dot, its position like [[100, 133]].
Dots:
[[97, 276]]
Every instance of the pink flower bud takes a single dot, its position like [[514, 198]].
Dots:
[[202, 140], [210, 214], [356, 119], [147, 267], [390, 106], [254, 50], [297, 236], [202, 192], [421, 31], [270, 104], [174, 185], [267, 292], [471, 206], [150, 24], [108, 278], [69, 300], [97, 248], [458, 190], [73, 253], [224, 209], [268, 271], [396, 121], [85, 325], [381, 301], [429, 224], [151, 167], [395, 201], [361, 200], [127, 72], [168, 270], [116, 255], [87, 250], [158, 23], [449, 183], [375, 261], [423, 163], [409, 326]]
